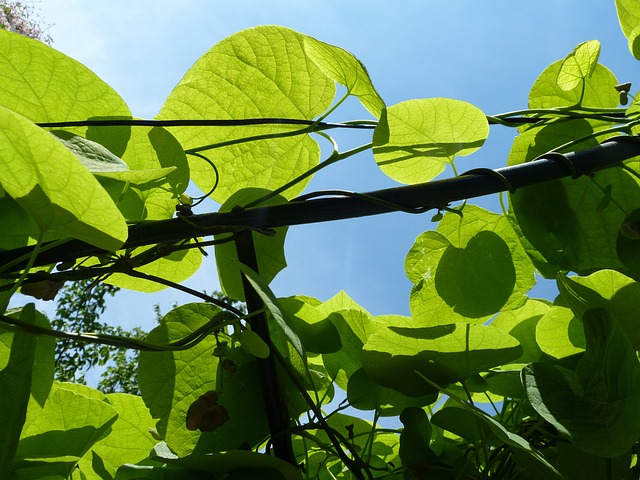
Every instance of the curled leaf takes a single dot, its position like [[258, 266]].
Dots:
[[205, 414], [43, 289]]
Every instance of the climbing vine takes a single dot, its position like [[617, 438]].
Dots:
[[485, 381]]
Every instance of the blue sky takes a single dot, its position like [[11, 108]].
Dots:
[[485, 52]]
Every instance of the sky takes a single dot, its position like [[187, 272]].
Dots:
[[487, 53]]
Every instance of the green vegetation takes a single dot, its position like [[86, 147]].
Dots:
[[486, 381]]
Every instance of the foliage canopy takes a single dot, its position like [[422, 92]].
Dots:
[[224, 392]]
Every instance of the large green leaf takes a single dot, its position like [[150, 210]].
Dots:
[[17, 358], [565, 219], [174, 267], [576, 464], [269, 248], [478, 425], [172, 381], [54, 187], [629, 16], [354, 325], [364, 393], [257, 73], [416, 139], [72, 420], [597, 90], [147, 181], [152, 151], [45, 85], [596, 406], [521, 324], [559, 332], [230, 464], [613, 291], [415, 438], [397, 357], [44, 362], [346, 69], [129, 440], [469, 269], [315, 330], [578, 65]]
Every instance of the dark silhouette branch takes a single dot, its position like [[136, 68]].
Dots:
[[431, 195]]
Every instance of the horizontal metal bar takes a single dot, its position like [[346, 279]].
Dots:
[[431, 195]]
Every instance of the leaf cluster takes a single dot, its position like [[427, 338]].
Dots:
[[486, 381]]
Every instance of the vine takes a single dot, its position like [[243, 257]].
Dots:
[[485, 381]]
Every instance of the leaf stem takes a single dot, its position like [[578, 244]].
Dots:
[[333, 158]]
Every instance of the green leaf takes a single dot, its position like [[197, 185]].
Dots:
[[610, 290], [231, 463], [415, 438], [261, 72], [561, 217], [578, 65], [468, 270], [150, 152], [521, 324], [273, 306], [634, 42], [629, 16], [315, 329], [73, 204], [559, 333], [175, 267], [129, 440], [597, 407], [465, 424], [346, 69], [269, 248], [574, 463], [416, 139], [171, 381], [102, 163], [72, 420], [397, 357], [45, 85], [43, 361], [364, 393], [354, 325], [597, 90], [17, 357], [94, 156], [253, 344], [524, 454]]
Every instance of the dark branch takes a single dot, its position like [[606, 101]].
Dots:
[[432, 195]]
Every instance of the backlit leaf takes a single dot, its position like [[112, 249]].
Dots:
[[45, 85], [629, 16], [261, 72], [416, 139], [560, 217], [595, 406], [70, 423], [53, 186], [346, 69], [395, 357], [171, 381], [467, 270], [578, 65], [598, 91], [129, 440], [17, 357], [174, 267]]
